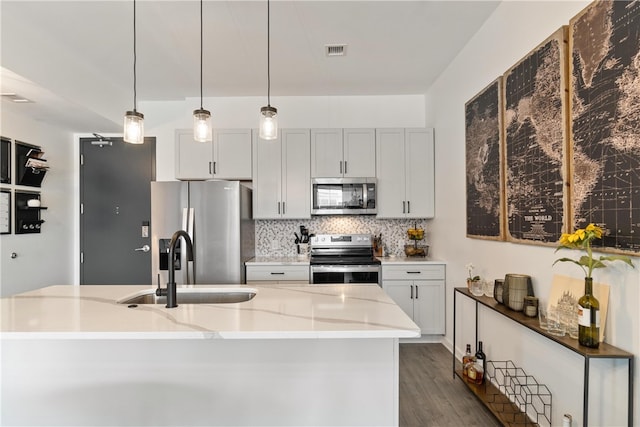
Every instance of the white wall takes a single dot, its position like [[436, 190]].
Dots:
[[42, 259], [163, 118], [515, 28]]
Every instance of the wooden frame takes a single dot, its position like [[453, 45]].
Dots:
[[483, 148], [5, 211], [5, 161], [535, 137], [604, 43]]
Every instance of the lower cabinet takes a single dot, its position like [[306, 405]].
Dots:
[[419, 290], [277, 274]]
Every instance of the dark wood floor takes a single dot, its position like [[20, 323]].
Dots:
[[429, 396]]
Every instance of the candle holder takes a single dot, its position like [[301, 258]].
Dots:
[[530, 306]]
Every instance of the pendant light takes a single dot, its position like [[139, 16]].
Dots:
[[268, 114], [134, 120], [201, 117]]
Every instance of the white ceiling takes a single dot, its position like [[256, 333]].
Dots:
[[74, 59]]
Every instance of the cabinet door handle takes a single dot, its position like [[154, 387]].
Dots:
[[340, 166], [278, 208], [413, 272], [416, 291], [345, 166], [403, 207], [210, 170], [274, 273], [214, 168], [408, 206], [283, 210], [411, 291]]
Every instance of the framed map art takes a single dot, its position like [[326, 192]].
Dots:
[[535, 120], [605, 121], [483, 152]]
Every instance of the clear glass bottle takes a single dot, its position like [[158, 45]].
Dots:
[[588, 317], [481, 358], [468, 357]]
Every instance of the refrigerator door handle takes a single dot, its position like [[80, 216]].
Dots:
[[190, 227], [185, 219], [190, 222]]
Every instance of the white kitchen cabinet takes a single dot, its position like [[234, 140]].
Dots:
[[277, 274], [343, 153], [418, 289], [405, 173], [228, 156], [281, 176]]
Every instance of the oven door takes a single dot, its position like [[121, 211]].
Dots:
[[336, 274]]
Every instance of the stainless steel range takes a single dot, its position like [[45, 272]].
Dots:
[[343, 258]]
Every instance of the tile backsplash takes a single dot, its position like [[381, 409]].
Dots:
[[275, 237]]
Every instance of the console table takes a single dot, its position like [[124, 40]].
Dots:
[[605, 351]]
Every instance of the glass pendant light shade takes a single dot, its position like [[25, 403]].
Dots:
[[268, 122], [133, 120], [202, 125], [134, 127]]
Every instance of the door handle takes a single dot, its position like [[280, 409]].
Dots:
[[144, 248], [404, 207], [411, 291], [416, 291], [345, 167], [409, 206], [340, 167]]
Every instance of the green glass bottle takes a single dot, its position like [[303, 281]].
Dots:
[[588, 317]]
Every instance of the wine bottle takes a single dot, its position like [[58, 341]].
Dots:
[[588, 317], [468, 357], [481, 358]]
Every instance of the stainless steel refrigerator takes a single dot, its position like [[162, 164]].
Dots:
[[217, 215]]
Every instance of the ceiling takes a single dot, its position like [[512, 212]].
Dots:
[[74, 59]]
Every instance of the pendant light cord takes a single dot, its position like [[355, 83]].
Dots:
[[268, 55], [201, 38], [135, 97]]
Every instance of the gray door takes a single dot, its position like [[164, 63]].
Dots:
[[115, 199]]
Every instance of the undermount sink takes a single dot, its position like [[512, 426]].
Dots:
[[193, 296]]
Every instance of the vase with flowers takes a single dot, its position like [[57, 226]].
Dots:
[[473, 282], [589, 306]]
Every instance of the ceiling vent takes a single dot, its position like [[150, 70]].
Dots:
[[335, 49], [14, 97]]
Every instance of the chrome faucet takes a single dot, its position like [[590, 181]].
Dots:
[[171, 292]]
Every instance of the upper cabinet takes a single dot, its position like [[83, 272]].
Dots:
[[405, 171], [338, 153], [228, 156], [281, 176]]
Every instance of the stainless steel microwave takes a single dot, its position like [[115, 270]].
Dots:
[[343, 196]]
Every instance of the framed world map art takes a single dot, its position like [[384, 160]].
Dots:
[[536, 134], [604, 41], [483, 152]]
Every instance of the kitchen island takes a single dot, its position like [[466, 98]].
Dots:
[[292, 355]]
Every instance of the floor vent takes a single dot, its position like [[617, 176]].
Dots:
[[335, 49]]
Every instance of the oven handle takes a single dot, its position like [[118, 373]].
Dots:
[[344, 268]]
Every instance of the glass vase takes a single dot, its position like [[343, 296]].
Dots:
[[588, 317]]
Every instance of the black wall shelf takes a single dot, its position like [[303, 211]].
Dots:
[[28, 219], [25, 175]]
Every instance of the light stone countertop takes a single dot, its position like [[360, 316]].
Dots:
[[409, 260], [305, 311], [278, 260]]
